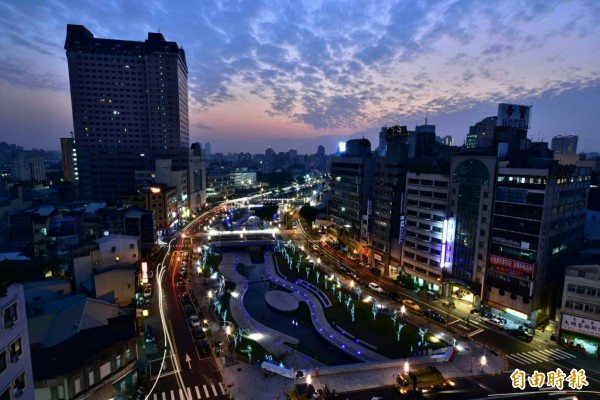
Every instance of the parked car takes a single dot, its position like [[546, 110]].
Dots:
[[194, 321], [185, 298], [393, 296], [204, 346], [315, 247], [521, 334], [198, 334], [434, 315], [148, 291], [188, 310], [375, 287], [149, 334], [375, 271], [495, 322], [411, 305]]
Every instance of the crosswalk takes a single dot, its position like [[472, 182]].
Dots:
[[538, 356], [193, 393]]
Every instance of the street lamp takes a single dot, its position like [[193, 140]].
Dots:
[[483, 362], [406, 367], [403, 310], [210, 296]]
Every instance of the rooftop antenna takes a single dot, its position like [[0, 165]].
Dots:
[[425, 118]]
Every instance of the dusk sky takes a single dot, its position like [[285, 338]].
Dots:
[[296, 74]]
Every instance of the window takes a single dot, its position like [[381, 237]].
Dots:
[[19, 384], [10, 315], [132, 246], [113, 249], [16, 350], [6, 394], [3, 364]]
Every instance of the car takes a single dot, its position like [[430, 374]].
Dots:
[[411, 305], [315, 247], [188, 310], [320, 252], [521, 334], [495, 322], [375, 287], [149, 334], [352, 256], [194, 321], [375, 271], [198, 334], [148, 291], [393, 296], [434, 315], [204, 346]]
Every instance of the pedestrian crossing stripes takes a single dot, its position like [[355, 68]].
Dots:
[[537, 356], [192, 393]]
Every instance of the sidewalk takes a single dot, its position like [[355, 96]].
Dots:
[[247, 382]]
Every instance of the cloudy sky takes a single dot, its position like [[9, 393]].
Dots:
[[295, 74]]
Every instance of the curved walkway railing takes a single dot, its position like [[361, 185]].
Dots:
[[318, 317]]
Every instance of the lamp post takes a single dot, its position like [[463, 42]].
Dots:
[[472, 357], [406, 367], [403, 310]]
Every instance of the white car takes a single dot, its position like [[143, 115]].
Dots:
[[375, 286], [194, 321]]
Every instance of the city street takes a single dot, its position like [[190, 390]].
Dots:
[[186, 374]]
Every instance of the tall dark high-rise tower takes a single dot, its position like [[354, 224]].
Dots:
[[130, 107]]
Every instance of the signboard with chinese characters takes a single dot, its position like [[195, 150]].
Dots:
[[505, 262], [401, 229], [580, 325], [144, 272], [514, 115]]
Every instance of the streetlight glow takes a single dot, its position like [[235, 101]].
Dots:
[[406, 367], [483, 362]]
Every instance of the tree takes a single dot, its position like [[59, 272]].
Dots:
[[309, 214]]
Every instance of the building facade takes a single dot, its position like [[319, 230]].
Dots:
[[424, 233], [469, 220], [16, 378], [69, 159], [352, 175], [564, 144], [130, 107], [579, 327], [388, 188], [538, 221]]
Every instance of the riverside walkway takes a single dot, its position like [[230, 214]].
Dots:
[[247, 382]]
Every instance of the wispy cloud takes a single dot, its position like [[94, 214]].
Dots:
[[329, 64]]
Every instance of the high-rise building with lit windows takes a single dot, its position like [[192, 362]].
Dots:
[[565, 144], [130, 107], [537, 226]]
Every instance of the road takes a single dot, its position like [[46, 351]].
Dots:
[[185, 373], [540, 354], [488, 387]]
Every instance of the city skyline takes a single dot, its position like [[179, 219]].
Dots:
[[293, 76]]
